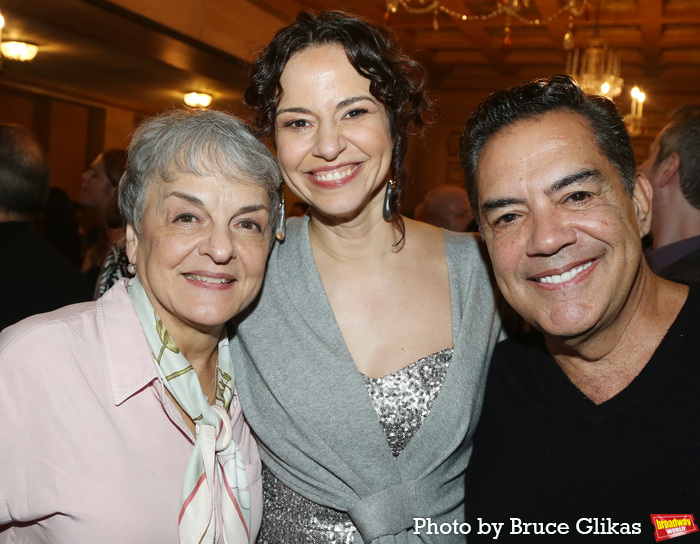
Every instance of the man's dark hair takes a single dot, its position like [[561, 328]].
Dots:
[[24, 172], [536, 98], [682, 135]]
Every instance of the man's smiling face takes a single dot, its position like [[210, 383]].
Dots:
[[561, 231]]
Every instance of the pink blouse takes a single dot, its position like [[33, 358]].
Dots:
[[92, 450]]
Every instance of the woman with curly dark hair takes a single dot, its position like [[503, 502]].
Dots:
[[361, 366]]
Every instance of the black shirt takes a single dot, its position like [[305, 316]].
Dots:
[[544, 452]]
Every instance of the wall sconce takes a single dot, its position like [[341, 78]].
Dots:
[[18, 50], [198, 100], [634, 120]]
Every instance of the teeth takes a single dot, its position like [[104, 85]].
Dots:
[[566, 276], [207, 279], [335, 175]]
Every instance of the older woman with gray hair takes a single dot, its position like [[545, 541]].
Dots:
[[120, 416]]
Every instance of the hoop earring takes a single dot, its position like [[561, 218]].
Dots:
[[281, 230], [131, 269], [387, 211]]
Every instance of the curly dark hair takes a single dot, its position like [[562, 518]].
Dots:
[[558, 93], [396, 80]]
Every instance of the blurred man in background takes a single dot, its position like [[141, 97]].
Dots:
[[34, 277], [673, 167], [446, 206]]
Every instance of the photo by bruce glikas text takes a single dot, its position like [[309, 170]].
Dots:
[[516, 526]]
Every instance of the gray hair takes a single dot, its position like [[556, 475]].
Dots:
[[200, 142]]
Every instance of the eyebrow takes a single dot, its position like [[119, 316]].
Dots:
[[576, 177], [197, 202], [566, 181], [339, 106], [184, 196]]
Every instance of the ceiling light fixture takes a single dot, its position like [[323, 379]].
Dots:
[[597, 68], [198, 100], [18, 50]]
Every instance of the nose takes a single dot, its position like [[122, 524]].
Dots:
[[219, 244], [329, 142], [549, 233]]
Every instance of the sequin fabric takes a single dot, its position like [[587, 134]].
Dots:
[[402, 401]]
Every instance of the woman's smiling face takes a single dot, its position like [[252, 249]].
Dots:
[[333, 137], [201, 248]]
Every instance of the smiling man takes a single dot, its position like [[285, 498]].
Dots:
[[593, 415]]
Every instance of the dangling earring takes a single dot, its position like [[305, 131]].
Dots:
[[131, 269], [387, 212], [281, 230]]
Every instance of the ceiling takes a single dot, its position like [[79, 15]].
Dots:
[[94, 50]]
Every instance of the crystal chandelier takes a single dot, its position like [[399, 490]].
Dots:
[[597, 67]]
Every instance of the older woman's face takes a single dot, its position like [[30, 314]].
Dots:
[[333, 137], [201, 249]]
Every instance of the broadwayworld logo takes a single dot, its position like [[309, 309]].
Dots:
[[672, 525]]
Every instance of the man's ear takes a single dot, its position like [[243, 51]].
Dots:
[[642, 197], [132, 243], [669, 168]]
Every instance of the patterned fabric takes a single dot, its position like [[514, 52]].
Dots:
[[113, 268], [216, 463], [404, 398]]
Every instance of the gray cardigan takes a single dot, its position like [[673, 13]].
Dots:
[[308, 404]]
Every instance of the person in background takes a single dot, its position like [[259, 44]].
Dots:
[[361, 366], [589, 421], [298, 209], [447, 207], [673, 167], [58, 225], [124, 420], [35, 276], [99, 192]]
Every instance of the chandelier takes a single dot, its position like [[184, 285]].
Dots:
[[597, 67], [508, 8]]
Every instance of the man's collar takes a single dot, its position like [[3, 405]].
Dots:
[[660, 258]]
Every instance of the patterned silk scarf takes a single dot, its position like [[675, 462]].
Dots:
[[216, 466]]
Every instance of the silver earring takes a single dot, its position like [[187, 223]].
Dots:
[[387, 211], [131, 269], [281, 230]]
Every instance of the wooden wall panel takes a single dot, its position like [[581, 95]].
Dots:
[[72, 133], [68, 146]]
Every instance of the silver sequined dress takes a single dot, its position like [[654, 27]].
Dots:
[[402, 401]]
